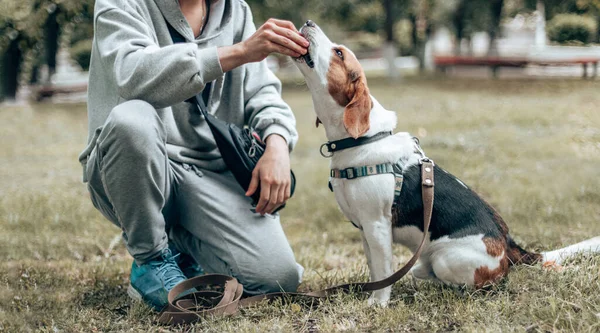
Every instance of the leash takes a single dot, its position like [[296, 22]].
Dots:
[[220, 295]]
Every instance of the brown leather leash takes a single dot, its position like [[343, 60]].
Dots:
[[227, 299]]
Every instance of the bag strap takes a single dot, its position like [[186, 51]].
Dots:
[[201, 105], [228, 299]]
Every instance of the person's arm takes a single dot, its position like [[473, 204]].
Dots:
[[270, 116], [273, 119], [161, 76]]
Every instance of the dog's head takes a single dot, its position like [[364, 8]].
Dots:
[[337, 83]]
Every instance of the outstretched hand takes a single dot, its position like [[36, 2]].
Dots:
[[275, 36], [272, 172]]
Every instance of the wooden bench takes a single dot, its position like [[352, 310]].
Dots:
[[494, 63], [584, 62], [47, 91]]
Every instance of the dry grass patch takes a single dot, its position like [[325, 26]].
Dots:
[[532, 148]]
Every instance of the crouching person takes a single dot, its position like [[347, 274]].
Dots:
[[151, 164]]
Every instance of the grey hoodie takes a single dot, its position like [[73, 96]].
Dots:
[[133, 57]]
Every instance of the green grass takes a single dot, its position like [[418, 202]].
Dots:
[[531, 148]]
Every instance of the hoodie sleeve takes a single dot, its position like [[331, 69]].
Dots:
[[161, 76], [265, 110]]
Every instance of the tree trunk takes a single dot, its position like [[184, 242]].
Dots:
[[540, 25], [597, 29], [52, 33], [34, 78], [390, 52], [11, 66], [418, 46], [459, 25], [494, 32], [414, 34], [469, 43]]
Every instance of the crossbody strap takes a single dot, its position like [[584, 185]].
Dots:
[[220, 295], [200, 104]]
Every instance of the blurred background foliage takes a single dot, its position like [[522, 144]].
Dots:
[[572, 29], [32, 31]]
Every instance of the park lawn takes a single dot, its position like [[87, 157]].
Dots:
[[531, 148]]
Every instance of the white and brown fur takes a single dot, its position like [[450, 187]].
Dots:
[[469, 243]]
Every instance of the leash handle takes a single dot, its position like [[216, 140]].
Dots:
[[195, 306]]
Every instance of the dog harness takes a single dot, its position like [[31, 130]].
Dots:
[[397, 169]]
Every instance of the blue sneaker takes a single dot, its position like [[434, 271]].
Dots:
[[188, 266], [152, 281], [186, 263]]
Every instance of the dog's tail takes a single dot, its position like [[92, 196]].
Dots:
[[591, 245], [517, 255]]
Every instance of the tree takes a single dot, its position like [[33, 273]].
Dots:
[[494, 25], [28, 26], [375, 16], [421, 16], [297, 11], [554, 7], [470, 16], [14, 39], [51, 37], [458, 20]]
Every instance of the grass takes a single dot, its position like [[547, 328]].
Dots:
[[532, 148]]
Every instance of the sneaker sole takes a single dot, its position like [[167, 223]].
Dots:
[[134, 294]]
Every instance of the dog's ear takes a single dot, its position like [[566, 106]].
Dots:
[[356, 114], [317, 122]]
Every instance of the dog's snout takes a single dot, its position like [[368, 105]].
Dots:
[[310, 23]]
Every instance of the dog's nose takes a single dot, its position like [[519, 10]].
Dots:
[[310, 23]]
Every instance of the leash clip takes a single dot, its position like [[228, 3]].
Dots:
[[419, 150], [324, 154]]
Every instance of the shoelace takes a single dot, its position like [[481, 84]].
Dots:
[[169, 265]]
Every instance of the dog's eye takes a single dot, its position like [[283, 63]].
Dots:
[[339, 53]]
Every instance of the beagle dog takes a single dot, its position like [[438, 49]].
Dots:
[[468, 244]]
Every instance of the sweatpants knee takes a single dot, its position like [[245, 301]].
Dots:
[[136, 125], [276, 277]]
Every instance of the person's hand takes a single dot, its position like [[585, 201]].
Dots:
[[272, 172], [275, 36]]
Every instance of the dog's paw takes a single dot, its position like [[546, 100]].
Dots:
[[380, 302], [553, 266], [414, 281]]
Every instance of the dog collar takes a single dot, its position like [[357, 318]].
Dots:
[[333, 146]]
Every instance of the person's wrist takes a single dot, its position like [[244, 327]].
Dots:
[[277, 141], [232, 56], [241, 52]]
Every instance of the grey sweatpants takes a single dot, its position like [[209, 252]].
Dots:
[[155, 200]]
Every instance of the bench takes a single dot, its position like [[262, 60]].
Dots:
[[47, 91], [494, 63]]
